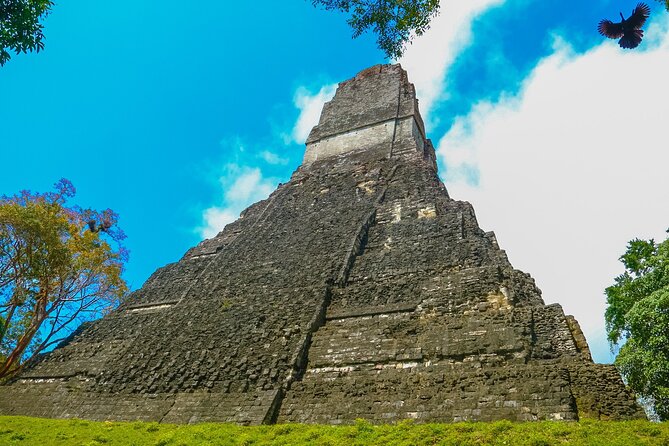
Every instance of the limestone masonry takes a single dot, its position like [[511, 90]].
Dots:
[[359, 289]]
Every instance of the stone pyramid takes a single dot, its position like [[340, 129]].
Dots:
[[359, 289]]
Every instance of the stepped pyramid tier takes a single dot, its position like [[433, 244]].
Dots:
[[359, 289]]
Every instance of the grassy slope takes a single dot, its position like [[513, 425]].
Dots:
[[45, 432]]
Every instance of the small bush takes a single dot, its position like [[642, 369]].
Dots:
[[539, 442], [500, 427]]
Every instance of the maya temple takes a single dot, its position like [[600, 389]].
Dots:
[[358, 289]]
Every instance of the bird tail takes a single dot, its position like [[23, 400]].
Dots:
[[631, 39]]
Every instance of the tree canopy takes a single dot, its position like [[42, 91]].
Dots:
[[59, 266], [395, 22], [637, 317], [20, 27]]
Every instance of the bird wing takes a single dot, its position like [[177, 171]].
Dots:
[[639, 16], [609, 29]]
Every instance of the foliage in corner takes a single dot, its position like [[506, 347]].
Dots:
[[637, 317], [395, 22], [20, 27], [59, 266]]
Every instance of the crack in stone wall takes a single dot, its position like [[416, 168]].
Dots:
[[300, 361], [399, 103]]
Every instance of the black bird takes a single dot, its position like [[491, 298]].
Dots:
[[629, 30], [104, 226]]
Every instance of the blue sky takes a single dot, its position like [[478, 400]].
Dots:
[[178, 115]]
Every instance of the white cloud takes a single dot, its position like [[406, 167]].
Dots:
[[272, 158], [215, 220], [429, 57], [310, 106], [572, 168], [247, 185], [242, 186]]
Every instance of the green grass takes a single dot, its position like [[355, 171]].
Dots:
[[46, 432]]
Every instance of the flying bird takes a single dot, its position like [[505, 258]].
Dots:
[[629, 30]]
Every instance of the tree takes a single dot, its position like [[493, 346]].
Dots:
[[394, 21], [20, 27], [637, 317], [58, 268]]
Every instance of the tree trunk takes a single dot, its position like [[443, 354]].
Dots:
[[24, 341], [6, 322]]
